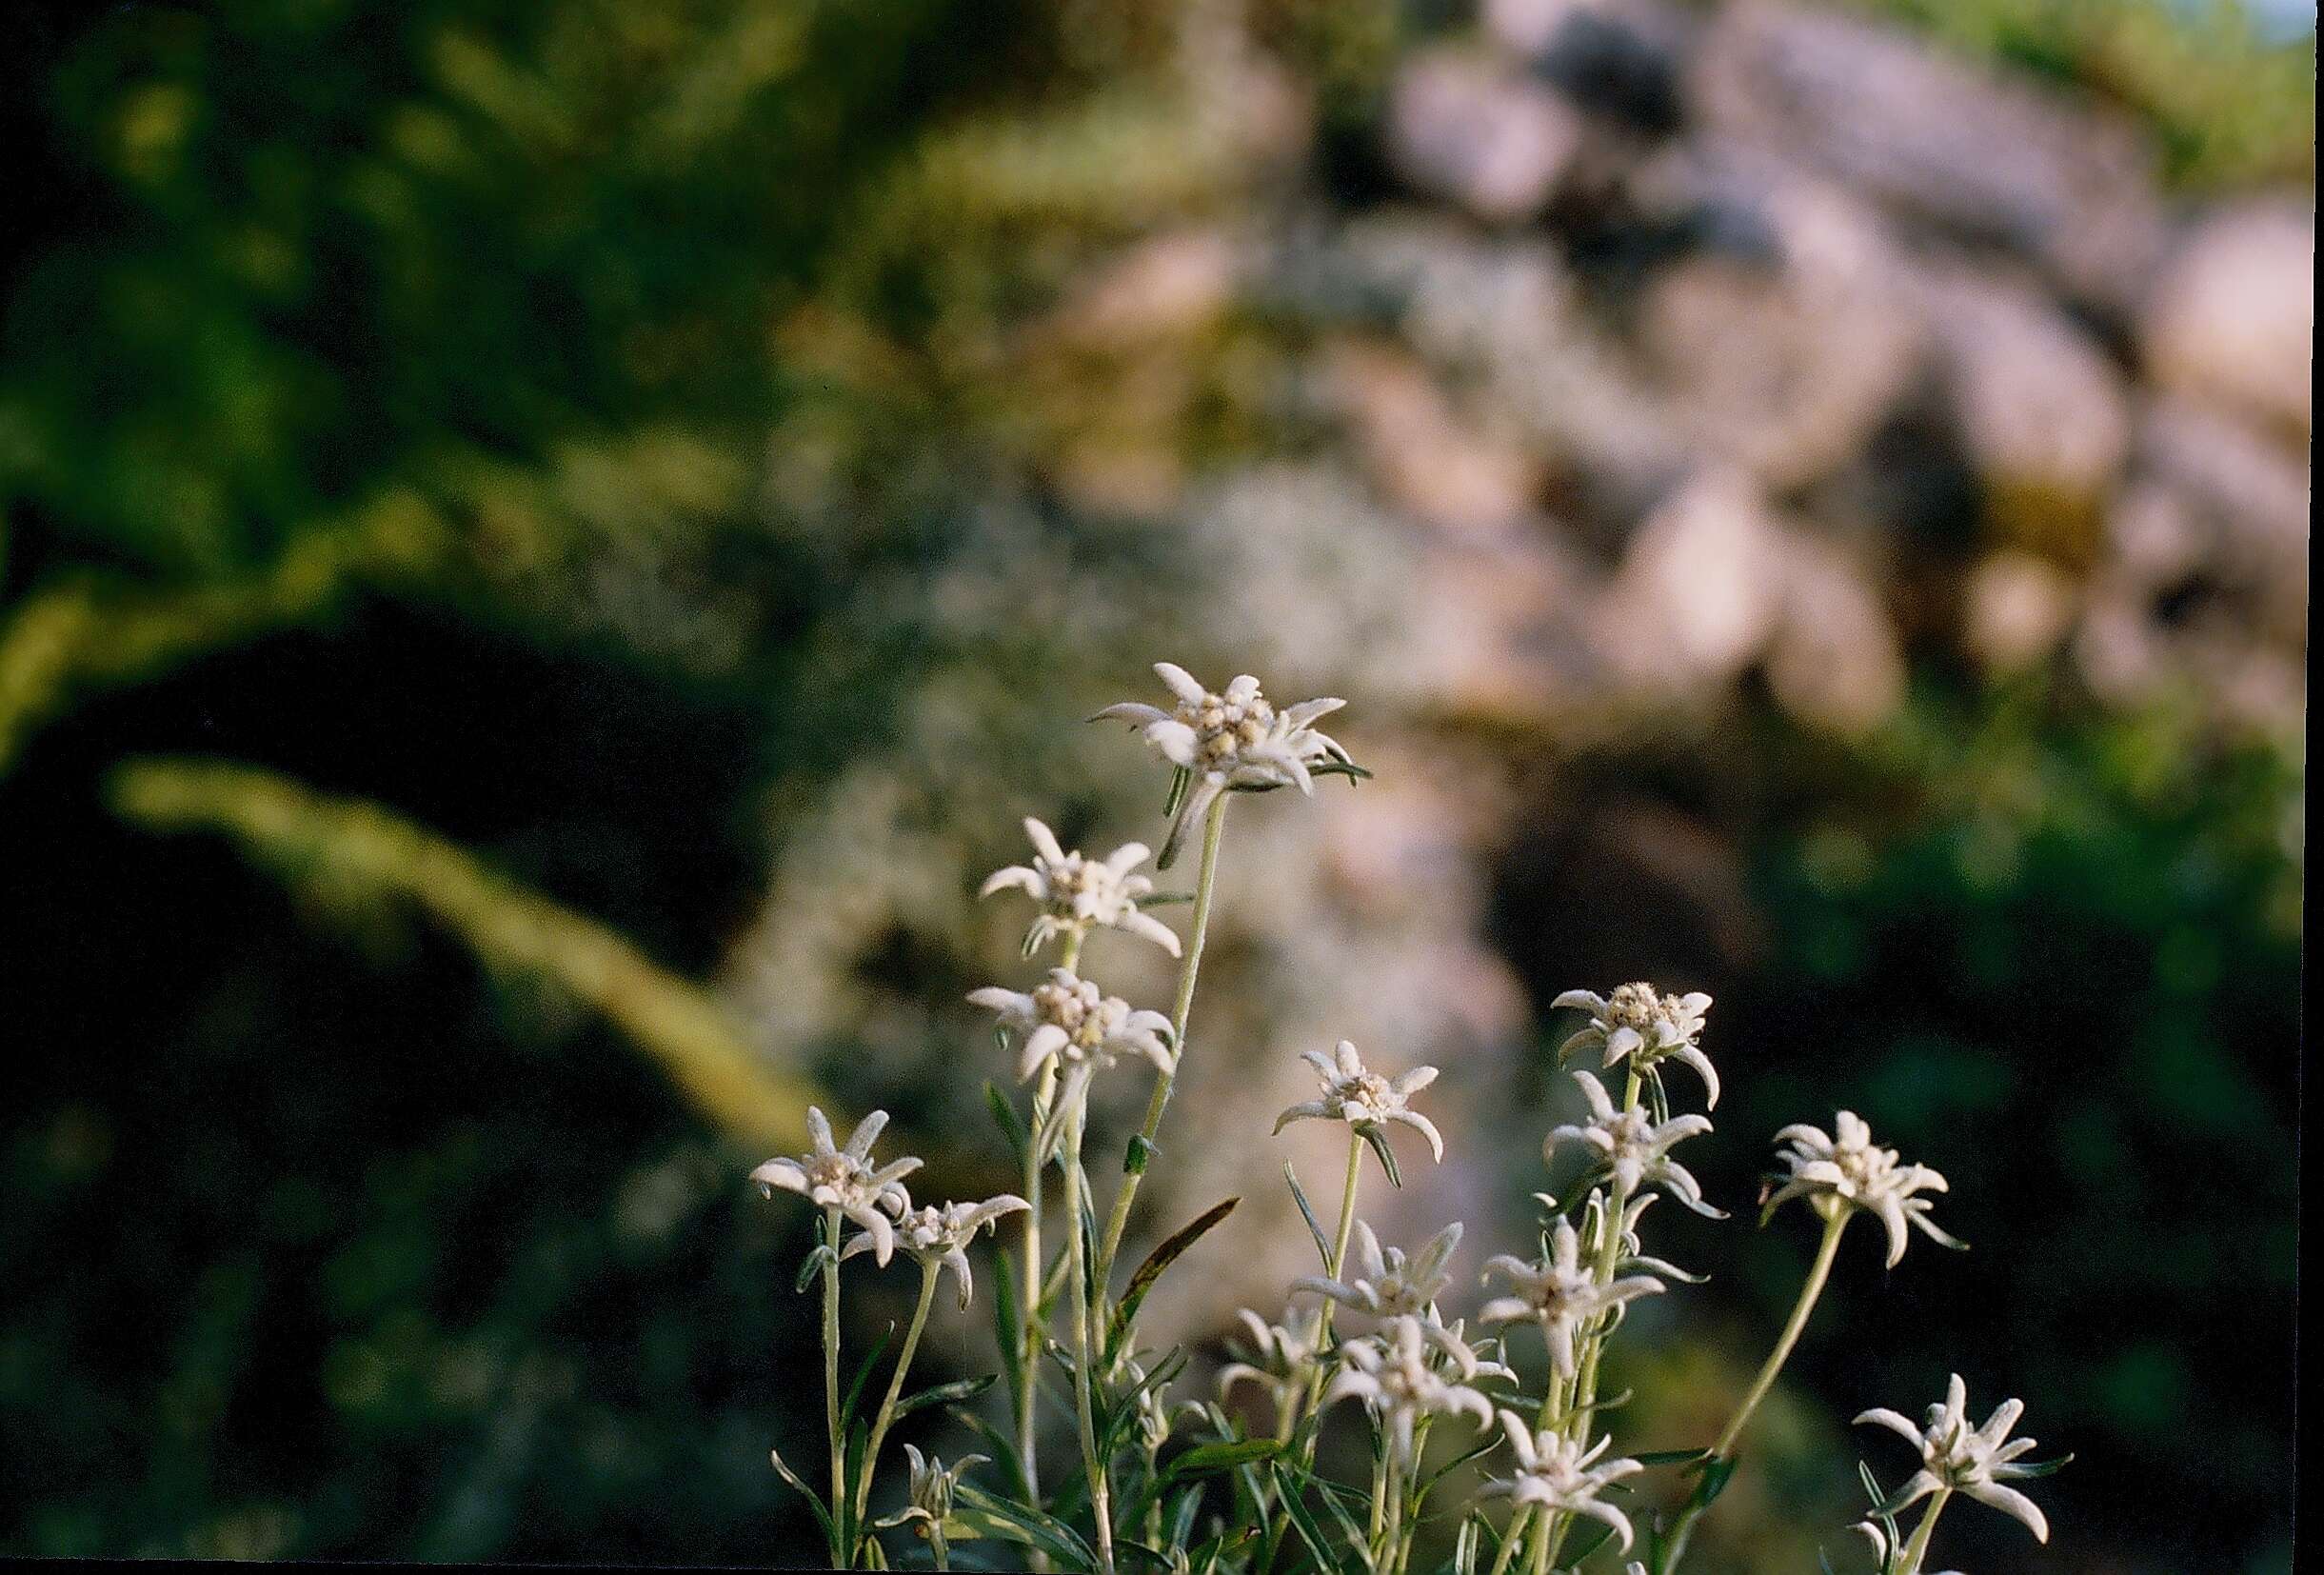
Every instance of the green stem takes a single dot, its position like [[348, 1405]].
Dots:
[[839, 1453], [1511, 1539], [1609, 1252], [1101, 1499], [1918, 1548], [1331, 1270], [1030, 1323], [1818, 1274], [929, 1270], [1214, 826]]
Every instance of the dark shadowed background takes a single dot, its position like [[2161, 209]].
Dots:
[[545, 548]]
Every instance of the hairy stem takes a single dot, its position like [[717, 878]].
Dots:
[[839, 1452], [929, 1270], [1101, 1499], [1919, 1547], [1030, 1323], [1818, 1274], [1214, 827]]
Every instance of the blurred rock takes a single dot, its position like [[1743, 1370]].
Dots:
[[1620, 59], [1782, 357], [1940, 142], [1421, 453], [1172, 283], [2233, 317], [1835, 663], [2016, 609], [2040, 411], [2248, 501], [1474, 131], [1699, 591]]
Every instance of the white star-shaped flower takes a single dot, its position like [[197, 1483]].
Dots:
[[1632, 1149], [1077, 892], [939, 1233], [1070, 1020], [930, 1492], [845, 1179], [1561, 1292], [1387, 1284], [1233, 739], [1972, 1461], [1364, 1099], [1636, 1023], [1850, 1172], [1391, 1373], [1555, 1472], [1279, 1357]]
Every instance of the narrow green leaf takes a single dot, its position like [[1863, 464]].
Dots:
[[1003, 1449], [945, 1394], [1307, 1212], [1137, 1155], [1712, 1482], [1009, 1328], [1304, 1524], [1210, 1459], [1005, 1116], [1029, 1525], [1378, 1141], [813, 1265], [855, 1388], [1157, 1260], [1672, 1457], [814, 1500]]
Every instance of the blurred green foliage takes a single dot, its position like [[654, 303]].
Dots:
[[386, 398]]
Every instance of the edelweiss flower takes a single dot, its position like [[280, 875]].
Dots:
[[1851, 1173], [1084, 1031], [1392, 1376], [931, 1492], [1280, 1358], [939, 1233], [843, 1179], [1075, 892], [1646, 1026], [1362, 1099], [1231, 740], [1386, 1284], [1561, 1292], [1555, 1473], [1968, 1460], [1633, 1149]]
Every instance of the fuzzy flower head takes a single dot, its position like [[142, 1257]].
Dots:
[[1639, 1024], [1974, 1462], [1561, 1292], [939, 1234], [1393, 1376], [1364, 1099], [1280, 1358], [1555, 1472], [1385, 1282], [845, 1179], [1078, 894], [1635, 1150], [1849, 1172], [930, 1496], [1235, 739], [1070, 1020]]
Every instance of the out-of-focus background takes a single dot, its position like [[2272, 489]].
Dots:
[[544, 549]]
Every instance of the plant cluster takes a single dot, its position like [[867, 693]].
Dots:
[[1192, 1486]]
